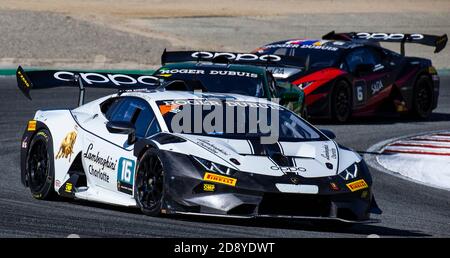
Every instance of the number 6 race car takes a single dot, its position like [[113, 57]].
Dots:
[[350, 74], [126, 149]]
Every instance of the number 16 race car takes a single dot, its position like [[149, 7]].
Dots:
[[148, 148], [350, 74]]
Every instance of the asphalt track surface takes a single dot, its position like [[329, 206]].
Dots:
[[410, 209]]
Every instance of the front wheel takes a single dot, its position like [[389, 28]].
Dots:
[[423, 98], [341, 102], [149, 185], [39, 166]]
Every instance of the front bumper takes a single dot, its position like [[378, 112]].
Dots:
[[256, 195]]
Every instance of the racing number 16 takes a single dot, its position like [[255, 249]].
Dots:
[[126, 172], [126, 169]]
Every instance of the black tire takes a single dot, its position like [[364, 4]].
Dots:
[[149, 183], [422, 98], [39, 166], [341, 102]]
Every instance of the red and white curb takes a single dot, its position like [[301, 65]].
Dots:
[[422, 158], [435, 144]]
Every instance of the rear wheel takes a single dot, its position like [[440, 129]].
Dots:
[[149, 188], [422, 98], [39, 166], [341, 102]]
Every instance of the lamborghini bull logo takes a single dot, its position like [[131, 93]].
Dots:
[[66, 147]]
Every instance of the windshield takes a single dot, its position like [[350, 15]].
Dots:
[[229, 118], [217, 80], [311, 54]]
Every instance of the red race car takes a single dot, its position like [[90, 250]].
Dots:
[[350, 74]]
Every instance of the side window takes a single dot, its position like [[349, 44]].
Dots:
[[109, 106], [281, 52], [153, 128], [137, 111], [362, 56]]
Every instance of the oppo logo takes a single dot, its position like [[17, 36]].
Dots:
[[117, 79], [387, 36], [237, 57], [289, 169]]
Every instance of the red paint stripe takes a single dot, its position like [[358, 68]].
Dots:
[[417, 152], [430, 139], [420, 145], [443, 134]]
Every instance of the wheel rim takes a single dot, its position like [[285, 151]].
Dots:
[[150, 185], [342, 103], [423, 99], [38, 165]]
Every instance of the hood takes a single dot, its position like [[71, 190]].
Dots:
[[308, 159]]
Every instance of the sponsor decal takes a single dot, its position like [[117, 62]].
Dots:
[[219, 179], [69, 187], [295, 180], [387, 36], [104, 163], [334, 187], [211, 147], [42, 134], [288, 169], [357, 185], [125, 175], [66, 146], [167, 72], [164, 109], [31, 125], [329, 153], [333, 153], [236, 57], [209, 187], [22, 78], [25, 142], [376, 87], [229, 103], [304, 43], [326, 152], [116, 79]]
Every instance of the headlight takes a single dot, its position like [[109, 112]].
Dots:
[[350, 172], [214, 167], [303, 85]]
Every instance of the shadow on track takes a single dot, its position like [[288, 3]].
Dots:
[[358, 229], [303, 225]]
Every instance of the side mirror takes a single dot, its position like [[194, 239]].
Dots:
[[290, 96], [363, 69], [123, 127], [328, 133]]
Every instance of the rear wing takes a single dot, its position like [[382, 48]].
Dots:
[[438, 42], [226, 57], [35, 80]]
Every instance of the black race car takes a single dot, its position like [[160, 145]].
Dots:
[[350, 74]]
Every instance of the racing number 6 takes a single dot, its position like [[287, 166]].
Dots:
[[359, 93]]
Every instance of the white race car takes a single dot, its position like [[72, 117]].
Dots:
[[126, 149]]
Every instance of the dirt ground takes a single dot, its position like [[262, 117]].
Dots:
[[173, 8], [133, 33]]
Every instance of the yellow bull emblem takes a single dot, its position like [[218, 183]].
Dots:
[[66, 147]]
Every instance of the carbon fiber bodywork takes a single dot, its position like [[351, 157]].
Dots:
[[256, 195]]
